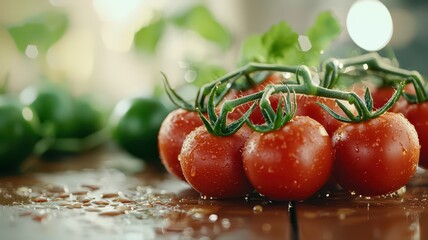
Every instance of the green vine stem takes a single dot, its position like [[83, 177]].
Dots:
[[210, 95], [333, 68]]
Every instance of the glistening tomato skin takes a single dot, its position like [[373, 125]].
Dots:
[[291, 163], [256, 116], [174, 129], [376, 157], [417, 114], [307, 106], [212, 165]]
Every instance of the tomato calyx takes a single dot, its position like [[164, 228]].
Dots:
[[367, 112], [210, 98]]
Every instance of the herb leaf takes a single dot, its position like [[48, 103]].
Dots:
[[280, 44], [148, 37], [41, 30], [200, 20]]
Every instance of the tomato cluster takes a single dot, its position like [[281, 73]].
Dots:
[[372, 157]]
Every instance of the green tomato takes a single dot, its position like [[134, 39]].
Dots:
[[56, 107], [65, 120], [88, 117], [53, 106], [17, 133], [135, 126]]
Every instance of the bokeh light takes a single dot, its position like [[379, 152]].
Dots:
[[369, 24]]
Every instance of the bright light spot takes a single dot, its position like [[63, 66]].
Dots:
[[316, 79], [365, 66], [121, 108], [190, 75], [116, 11], [286, 75], [27, 114], [117, 38], [31, 51], [305, 43], [213, 217], [369, 24], [322, 52], [28, 95]]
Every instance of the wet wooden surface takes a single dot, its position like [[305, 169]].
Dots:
[[107, 195]]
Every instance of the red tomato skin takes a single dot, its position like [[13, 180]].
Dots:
[[212, 165], [291, 163], [307, 106], [375, 157], [256, 116], [417, 114], [381, 96], [174, 129]]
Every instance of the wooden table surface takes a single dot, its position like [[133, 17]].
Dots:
[[106, 195]]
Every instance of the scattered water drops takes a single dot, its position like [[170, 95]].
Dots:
[[213, 217], [225, 223], [257, 209]]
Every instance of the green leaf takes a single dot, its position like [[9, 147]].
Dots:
[[280, 43], [148, 37], [200, 20], [279, 40], [252, 50], [277, 45], [41, 30], [325, 29]]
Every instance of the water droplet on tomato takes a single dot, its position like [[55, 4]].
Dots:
[[193, 171], [404, 151], [357, 150]]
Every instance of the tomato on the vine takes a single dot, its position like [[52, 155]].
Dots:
[[381, 95], [291, 163], [307, 106], [417, 114], [174, 129], [377, 156], [18, 134], [256, 116], [135, 125], [212, 165]]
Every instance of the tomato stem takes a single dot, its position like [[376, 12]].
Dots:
[[212, 94]]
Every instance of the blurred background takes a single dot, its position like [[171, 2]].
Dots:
[[116, 49]]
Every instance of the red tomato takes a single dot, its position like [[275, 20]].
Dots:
[[212, 165], [417, 114], [376, 157], [291, 163], [256, 116], [306, 106], [174, 129], [381, 95]]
